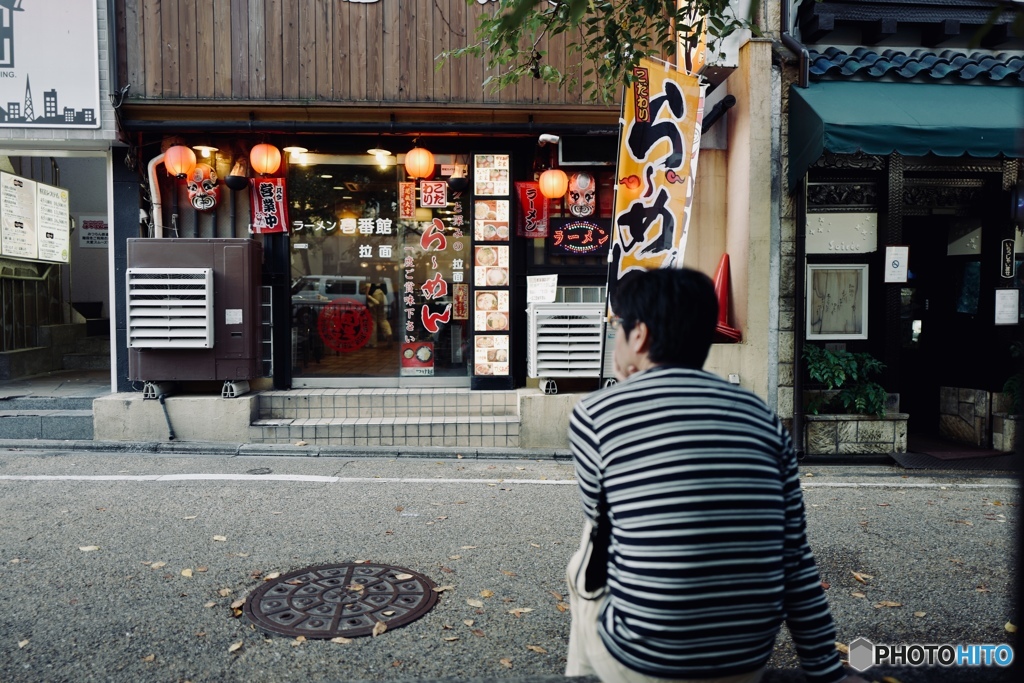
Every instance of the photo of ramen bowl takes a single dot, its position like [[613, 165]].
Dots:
[[408, 354], [496, 277], [423, 354], [497, 321], [486, 256], [486, 301]]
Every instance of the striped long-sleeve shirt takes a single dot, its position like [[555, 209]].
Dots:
[[709, 552]]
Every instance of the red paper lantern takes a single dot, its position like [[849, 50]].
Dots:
[[419, 163], [180, 161], [553, 183], [265, 159]]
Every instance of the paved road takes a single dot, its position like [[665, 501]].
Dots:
[[938, 545]]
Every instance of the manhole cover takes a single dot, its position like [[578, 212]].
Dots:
[[340, 600]]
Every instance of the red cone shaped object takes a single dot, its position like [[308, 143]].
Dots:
[[723, 333]]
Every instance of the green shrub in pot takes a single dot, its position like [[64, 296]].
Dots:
[[846, 377]]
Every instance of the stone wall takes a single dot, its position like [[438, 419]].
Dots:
[[964, 416], [855, 434]]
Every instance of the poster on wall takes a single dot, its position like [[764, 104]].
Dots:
[[18, 211], [533, 211], [491, 266], [43, 86], [93, 232], [491, 175], [490, 354], [269, 205], [53, 223]]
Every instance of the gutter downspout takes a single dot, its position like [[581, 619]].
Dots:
[[799, 247], [154, 195]]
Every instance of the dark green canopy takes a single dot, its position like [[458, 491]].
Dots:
[[913, 119]]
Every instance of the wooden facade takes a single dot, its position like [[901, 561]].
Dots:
[[322, 53]]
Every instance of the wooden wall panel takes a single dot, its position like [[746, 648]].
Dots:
[[293, 51]]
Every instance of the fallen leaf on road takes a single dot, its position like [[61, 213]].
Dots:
[[474, 603], [558, 596], [388, 613], [88, 548], [842, 648], [860, 576], [22, 643], [468, 622], [341, 641], [149, 658], [356, 587], [157, 565], [965, 522], [187, 573], [399, 508], [224, 592], [1009, 626], [210, 604], [379, 628], [271, 576], [825, 586], [486, 593], [562, 606], [403, 577], [301, 443], [235, 647], [537, 648], [201, 569], [201, 634], [920, 614], [506, 662], [455, 557], [191, 517], [857, 594], [983, 589], [520, 611], [468, 547], [450, 638], [220, 538], [298, 641], [508, 573], [477, 632], [887, 603], [883, 505], [534, 545], [441, 589], [238, 603]]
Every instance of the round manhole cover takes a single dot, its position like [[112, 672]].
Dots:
[[340, 600]]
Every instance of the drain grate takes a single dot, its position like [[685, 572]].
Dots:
[[340, 600]]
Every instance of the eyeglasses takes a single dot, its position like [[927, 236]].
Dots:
[[614, 323]]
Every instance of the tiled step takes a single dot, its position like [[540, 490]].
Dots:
[[370, 403], [470, 431], [46, 424]]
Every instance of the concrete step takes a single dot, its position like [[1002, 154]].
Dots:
[[45, 403], [46, 424], [466, 431], [352, 404]]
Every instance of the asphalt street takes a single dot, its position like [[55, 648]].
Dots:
[[94, 550]]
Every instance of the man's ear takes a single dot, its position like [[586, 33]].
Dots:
[[640, 339]]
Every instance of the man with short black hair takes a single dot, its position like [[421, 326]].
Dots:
[[695, 548]]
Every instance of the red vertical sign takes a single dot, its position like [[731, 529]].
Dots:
[[269, 204], [533, 211]]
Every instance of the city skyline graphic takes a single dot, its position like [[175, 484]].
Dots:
[[43, 40]]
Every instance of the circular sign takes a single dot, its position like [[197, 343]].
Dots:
[[345, 325]]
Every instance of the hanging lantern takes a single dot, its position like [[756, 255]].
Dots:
[[553, 183], [265, 159], [180, 161], [419, 163]]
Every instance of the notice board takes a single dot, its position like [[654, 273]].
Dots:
[[34, 220]]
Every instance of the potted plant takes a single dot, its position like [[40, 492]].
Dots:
[[848, 415], [1008, 417]]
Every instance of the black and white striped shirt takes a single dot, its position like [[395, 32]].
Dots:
[[709, 553]]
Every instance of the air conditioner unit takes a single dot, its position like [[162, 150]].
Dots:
[[564, 340], [193, 309]]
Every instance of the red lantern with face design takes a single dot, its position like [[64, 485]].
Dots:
[[582, 193], [203, 188]]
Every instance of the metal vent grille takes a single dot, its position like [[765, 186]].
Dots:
[[564, 340], [170, 308]]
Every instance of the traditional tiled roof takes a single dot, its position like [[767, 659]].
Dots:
[[921, 65]]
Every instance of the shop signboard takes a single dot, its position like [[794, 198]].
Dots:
[[656, 169], [406, 201], [579, 237], [533, 211]]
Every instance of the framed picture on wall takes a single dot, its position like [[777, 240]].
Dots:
[[837, 301]]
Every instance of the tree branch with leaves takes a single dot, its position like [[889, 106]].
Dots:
[[607, 37]]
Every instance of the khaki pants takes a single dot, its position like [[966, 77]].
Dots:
[[587, 654]]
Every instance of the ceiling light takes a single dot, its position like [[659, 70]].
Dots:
[[205, 150]]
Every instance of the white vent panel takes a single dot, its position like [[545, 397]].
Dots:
[[564, 339], [170, 308]]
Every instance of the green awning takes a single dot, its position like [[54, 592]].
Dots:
[[913, 119]]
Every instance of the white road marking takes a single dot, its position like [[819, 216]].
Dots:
[[425, 480]]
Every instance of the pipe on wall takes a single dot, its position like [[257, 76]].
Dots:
[[793, 44], [154, 194]]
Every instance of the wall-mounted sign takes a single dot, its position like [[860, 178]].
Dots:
[[533, 211], [269, 205], [1006, 262], [34, 220], [1007, 303], [433, 194], [578, 236], [842, 233], [406, 201], [93, 232], [491, 175], [896, 259], [49, 64]]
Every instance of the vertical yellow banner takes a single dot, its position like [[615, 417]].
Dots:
[[658, 146]]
